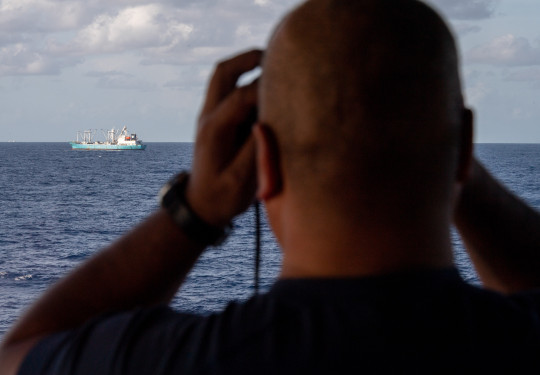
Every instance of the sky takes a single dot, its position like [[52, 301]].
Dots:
[[71, 65]]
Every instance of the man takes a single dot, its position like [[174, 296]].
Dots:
[[362, 156]]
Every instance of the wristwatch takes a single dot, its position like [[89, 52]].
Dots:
[[173, 199]]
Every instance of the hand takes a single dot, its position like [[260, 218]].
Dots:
[[223, 179], [474, 178]]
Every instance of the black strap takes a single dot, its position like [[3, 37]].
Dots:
[[257, 245]]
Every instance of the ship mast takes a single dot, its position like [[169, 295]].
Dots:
[[111, 136], [85, 136]]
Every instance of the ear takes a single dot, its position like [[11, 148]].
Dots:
[[269, 179], [465, 156]]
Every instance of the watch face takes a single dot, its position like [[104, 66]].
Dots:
[[182, 216], [173, 190]]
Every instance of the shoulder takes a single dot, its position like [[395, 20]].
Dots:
[[141, 341], [308, 326], [159, 340]]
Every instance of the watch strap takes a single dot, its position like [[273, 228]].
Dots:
[[173, 199]]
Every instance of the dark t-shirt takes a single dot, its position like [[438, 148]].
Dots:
[[428, 322]]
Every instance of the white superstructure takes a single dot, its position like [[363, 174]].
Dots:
[[126, 139]]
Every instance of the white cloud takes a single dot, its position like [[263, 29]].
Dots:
[[477, 92], [519, 113], [120, 81], [507, 50], [524, 75], [132, 28], [465, 9], [55, 34], [476, 87], [40, 15], [17, 59], [528, 75], [189, 77], [466, 28]]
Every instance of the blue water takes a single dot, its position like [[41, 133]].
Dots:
[[59, 206]]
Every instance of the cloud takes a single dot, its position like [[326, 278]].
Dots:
[[506, 50], [19, 59], [28, 16], [120, 81], [45, 36], [131, 28], [477, 87], [190, 77], [24, 27], [466, 9], [524, 75], [528, 75], [466, 28]]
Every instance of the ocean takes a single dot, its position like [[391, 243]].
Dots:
[[60, 206]]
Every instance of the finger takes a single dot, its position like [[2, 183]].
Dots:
[[226, 75], [220, 197], [223, 132], [230, 117]]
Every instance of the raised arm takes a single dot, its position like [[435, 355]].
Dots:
[[501, 233], [147, 265]]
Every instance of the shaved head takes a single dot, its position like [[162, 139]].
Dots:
[[361, 96]]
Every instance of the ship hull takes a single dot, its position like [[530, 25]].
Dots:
[[106, 147]]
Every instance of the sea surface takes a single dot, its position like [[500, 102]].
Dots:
[[58, 207]]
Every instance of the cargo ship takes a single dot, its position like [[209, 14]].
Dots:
[[115, 140]]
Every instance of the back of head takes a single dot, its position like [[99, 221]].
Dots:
[[365, 101]]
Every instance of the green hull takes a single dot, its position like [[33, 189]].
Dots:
[[106, 147]]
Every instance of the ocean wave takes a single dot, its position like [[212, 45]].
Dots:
[[89, 203], [23, 277]]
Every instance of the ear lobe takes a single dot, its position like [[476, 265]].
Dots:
[[465, 156], [269, 179]]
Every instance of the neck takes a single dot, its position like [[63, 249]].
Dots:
[[332, 246]]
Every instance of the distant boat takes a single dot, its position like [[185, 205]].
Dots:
[[116, 140]]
